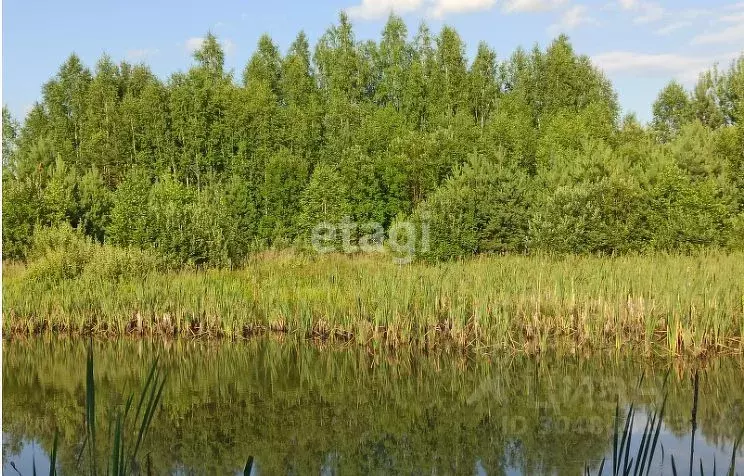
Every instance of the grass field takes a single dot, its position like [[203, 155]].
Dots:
[[670, 304]]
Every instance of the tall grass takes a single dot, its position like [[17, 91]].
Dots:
[[123, 423], [661, 303], [637, 462], [120, 454]]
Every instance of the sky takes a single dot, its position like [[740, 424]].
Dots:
[[641, 45]]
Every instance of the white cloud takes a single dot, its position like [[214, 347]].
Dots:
[[194, 43], [141, 54], [377, 9], [373, 9], [649, 13], [695, 13], [628, 4], [646, 12], [533, 5], [443, 7], [682, 67], [731, 34], [737, 17], [672, 27], [572, 18], [229, 46], [643, 11]]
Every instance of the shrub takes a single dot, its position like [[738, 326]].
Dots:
[[62, 252], [484, 207], [601, 217], [686, 214]]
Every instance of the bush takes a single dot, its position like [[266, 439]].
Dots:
[[483, 208], [736, 233], [601, 217], [20, 212], [62, 252], [686, 214]]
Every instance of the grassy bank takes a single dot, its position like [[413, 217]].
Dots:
[[660, 303]]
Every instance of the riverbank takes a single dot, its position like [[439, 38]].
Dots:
[[661, 303]]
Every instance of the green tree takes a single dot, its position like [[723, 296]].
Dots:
[[604, 216], [450, 77], [731, 94], [147, 136], [264, 67], [706, 103], [197, 102], [686, 214], [483, 86], [21, 209], [671, 110], [10, 136], [210, 56], [565, 82], [285, 178], [94, 203], [483, 208], [302, 114], [205, 171], [128, 225], [392, 63], [58, 196], [65, 101], [102, 146], [418, 103], [324, 199]]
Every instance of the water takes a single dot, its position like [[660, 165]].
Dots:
[[299, 408]]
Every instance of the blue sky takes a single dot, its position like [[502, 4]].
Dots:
[[640, 44]]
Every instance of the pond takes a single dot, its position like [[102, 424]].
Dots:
[[297, 407]]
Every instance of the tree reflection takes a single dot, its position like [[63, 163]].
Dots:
[[301, 408]]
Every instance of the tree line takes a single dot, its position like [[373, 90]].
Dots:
[[528, 153]]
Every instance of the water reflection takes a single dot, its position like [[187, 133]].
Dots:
[[306, 409]]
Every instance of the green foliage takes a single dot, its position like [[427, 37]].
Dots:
[[286, 177], [94, 200], [10, 136], [210, 56], [203, 170], [128, 224], [706, 99], [672, 110], [488, 305], [323, 201], [729, 144], [693, 150], [241, 216], [604, 216], [57, 197], [168, 214], [736, 232], [21, 206], [483, 208], [60, 253], [365, 189], [685, 214]]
